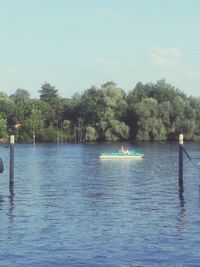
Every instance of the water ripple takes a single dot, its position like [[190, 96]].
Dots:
[[68, 208]]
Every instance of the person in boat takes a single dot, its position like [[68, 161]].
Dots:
[[125, 151]]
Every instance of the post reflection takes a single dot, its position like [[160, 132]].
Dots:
[[11, 204], [181, 196], [1, 199], [182, 213]]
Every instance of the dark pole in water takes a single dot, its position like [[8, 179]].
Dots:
[[181, 161], [12, 143]]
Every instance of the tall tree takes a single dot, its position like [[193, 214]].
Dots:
[[48, 93], [102, 108], [20, 95]]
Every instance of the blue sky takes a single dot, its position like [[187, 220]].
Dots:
[[74, 44]]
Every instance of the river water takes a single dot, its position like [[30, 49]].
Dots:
[[69, 208]]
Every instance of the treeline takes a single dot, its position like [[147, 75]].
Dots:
[[149, 112]]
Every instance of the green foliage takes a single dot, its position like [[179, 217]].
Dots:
[[7, 105], [35, 122], [53, 105], [100, 107], [160, 112], [3, 127], [23, 137], [148, 107], [20, 95], [91, 134], [49, 135], [66, 124], [48, 93], [150, 112], [117, 131], [165, 113], [151, 129]]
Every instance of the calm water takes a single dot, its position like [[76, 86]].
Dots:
[[69, 208]]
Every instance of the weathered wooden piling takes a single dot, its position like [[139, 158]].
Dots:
[[12, 144], [181, 160]]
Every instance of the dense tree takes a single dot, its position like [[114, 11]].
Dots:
[[150, 112], [3, 127], [117, 131], [48, 93], [150, 126], [54, 105], [103, 109], [20, 96], [91, 134], [160, 120]]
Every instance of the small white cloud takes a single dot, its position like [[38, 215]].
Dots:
[[164, 56]]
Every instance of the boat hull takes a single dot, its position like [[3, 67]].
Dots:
[[133, 155]]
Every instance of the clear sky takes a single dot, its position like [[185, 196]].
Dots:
[[74, 44]]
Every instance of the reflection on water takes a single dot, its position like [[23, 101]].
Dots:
[[181, 196], [69, 208], [11, 203]]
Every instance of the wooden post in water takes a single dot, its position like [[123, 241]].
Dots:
[[181, 160], [34, 136], [12, 143]]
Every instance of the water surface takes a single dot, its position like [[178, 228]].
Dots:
[[69, 208]]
